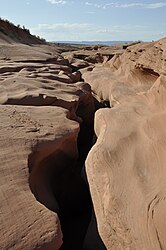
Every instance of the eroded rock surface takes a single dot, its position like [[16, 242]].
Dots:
[[43, 107], [125, 75], [46, 131], [125, 167], [25, 223]]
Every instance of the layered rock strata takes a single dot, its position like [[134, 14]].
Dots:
[[42, 111]]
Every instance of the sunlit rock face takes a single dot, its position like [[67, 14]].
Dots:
[[62, 184], [129, 74], [43, 108], [126, 166]]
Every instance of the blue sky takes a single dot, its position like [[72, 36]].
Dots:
[[67, 20]]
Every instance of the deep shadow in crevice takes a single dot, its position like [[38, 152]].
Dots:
[[75, 211], [58, 181], [92, 239]]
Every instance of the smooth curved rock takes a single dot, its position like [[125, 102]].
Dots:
[[43, 187], [126, 172], [25, 223]]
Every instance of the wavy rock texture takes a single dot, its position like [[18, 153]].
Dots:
[[125, 75], [25, 223], [126, 166], [39, 154], [46, 132]]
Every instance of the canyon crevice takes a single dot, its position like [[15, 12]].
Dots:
[[82, 138]]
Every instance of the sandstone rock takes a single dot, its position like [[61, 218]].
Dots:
[[133, 72], [79, 64], [46, 132], [25, 223], [44, 141], [126, 171], [39, 82]]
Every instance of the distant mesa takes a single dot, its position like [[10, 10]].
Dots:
[[92, 43]]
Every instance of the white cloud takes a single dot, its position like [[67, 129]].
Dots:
[[63, 26], [94, 4], [113, 4], [87, 31], [155, 5], [62, 31], [90, 12], [87, 3], [57, 2], [127, 5], [143, 5], [71, 31]]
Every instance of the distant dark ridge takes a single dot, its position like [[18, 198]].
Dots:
[[9, 33], [92, 43]]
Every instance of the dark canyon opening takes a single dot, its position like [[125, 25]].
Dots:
[[58, 181]]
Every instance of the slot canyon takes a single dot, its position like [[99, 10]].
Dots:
[[83, 141]]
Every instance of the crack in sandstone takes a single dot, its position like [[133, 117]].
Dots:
[[56, 161], [159, 239], [58, 180], [151, 205], [150, 216]]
